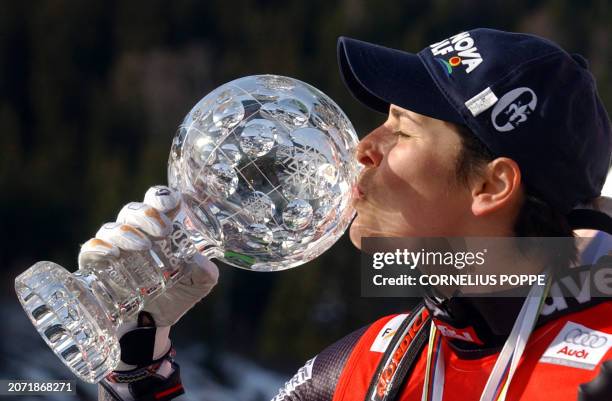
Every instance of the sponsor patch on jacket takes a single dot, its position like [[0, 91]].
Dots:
[[578, 346], [467, 334], [384, 336]]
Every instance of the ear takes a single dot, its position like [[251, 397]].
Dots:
[[497, 188]]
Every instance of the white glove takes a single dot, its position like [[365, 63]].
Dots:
[[151, 218]]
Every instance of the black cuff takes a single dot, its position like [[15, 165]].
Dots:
[[138, 345]]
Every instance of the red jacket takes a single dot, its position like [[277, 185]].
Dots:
[[582, 339]]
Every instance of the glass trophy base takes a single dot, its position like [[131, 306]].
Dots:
[[70, 320]]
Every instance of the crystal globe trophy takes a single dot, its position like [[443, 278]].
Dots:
[[264, 166]]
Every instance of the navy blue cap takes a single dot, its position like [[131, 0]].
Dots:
[[522, 95]]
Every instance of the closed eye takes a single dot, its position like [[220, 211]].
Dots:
[[401, 133]]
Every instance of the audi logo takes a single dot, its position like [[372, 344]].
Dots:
[[585, 339]]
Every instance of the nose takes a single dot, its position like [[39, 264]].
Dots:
[[369, 152]]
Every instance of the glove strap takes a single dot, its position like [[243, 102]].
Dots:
[[160, 381]]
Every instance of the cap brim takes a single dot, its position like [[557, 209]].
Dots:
[[378, 76]]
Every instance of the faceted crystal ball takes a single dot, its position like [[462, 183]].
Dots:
[[266, 166]]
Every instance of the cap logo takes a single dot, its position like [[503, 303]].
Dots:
[[513, 108], [466, 53]]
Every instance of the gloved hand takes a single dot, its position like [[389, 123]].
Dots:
[[145, 339]]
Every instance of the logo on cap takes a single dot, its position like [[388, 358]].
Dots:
[[467, 53], [448, 65], [513, 109]]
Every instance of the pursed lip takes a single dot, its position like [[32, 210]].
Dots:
[[357, 195], [358, 188], [357, 192]]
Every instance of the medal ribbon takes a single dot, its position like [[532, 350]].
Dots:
[[499, 380]]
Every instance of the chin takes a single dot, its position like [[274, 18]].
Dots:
[[355, 235]]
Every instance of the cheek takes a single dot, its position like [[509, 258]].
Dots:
[[421, 188], [417, 172]]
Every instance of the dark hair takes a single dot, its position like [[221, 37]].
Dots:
[[536, 218]]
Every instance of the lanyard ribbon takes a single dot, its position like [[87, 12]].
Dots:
[[397, 361], [507, 361]]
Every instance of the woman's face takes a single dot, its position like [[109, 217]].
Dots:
[[409, 185]]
